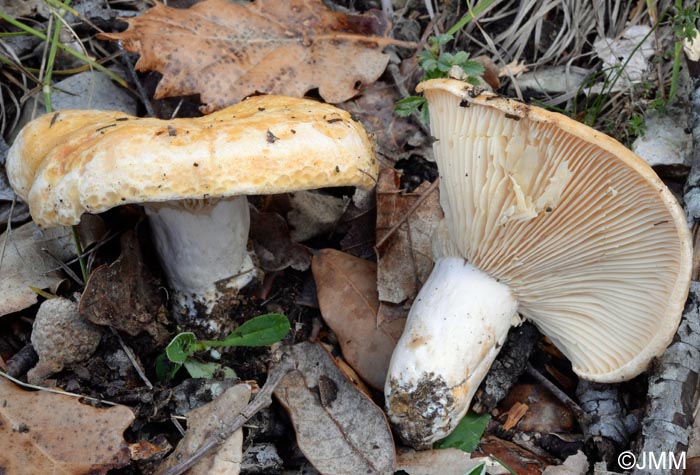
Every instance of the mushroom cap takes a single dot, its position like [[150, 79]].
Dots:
[[592, 243], [76, 161]]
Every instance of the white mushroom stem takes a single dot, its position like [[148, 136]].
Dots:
[[202, 248], [454, 331]]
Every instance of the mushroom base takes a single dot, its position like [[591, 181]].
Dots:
[[202, 247], [455, 329]]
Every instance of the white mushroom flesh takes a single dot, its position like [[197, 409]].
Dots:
[[459, 311], [202, 247], [591, 244]]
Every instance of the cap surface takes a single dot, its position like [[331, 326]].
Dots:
[[72, 162], [592, 243]]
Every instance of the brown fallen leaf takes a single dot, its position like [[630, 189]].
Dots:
[[42, 432], [347, 296], [405, 254], [491, 71], [443, 462], [273, 244], [375, 109], [201, 424], [26, 261], [338, 428], [225, 51], [126, 295]]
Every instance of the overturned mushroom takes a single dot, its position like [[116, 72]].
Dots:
[[545, 218], [192, 176]]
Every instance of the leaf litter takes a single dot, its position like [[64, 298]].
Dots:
[[42, 433], [205, 421], [399, 139], [226, 51], [347, 296], [339, 429]]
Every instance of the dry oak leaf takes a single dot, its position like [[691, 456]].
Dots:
[[406, 255], [126, 295], [42, 433], [210, 419], [27, 260], [339, 429], [226, 51], [347, 296]]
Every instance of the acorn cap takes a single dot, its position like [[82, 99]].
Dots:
[[593, 245], [76, 161]]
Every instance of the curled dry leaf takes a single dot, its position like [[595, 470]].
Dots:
[[205, 421], [26, 261], [339, 429], [42, 432], [347, 296], [126, 295], [406, 255], [225, 51]]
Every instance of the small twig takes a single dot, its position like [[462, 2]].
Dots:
[[130, 354], [139, 86], [559, 394], [65, 268], [263, 399], [411, 210], [177, 425]]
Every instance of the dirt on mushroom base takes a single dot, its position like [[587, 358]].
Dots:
[[430, 400]]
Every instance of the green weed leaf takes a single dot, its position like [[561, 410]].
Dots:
[[478, 470], [166, 369], [472, 68], [263, 330], [408, 105], [468, 433], [181, 347]]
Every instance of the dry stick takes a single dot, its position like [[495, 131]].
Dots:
[[139, 87], [130, 354], [55, 391], [558, 393], [262, 400], [411, 210]]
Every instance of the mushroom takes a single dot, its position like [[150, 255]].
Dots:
[[546, 220], [192, 176]]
